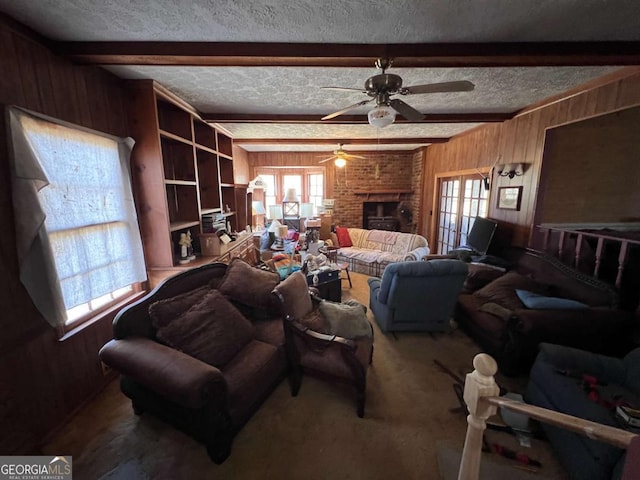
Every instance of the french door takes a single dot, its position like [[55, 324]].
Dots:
[[461, 199]]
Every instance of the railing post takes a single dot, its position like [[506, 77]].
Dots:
[[478, 384]]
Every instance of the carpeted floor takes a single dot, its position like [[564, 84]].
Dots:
[[316, 435]]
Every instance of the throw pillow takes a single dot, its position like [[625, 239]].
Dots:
[[212, 331], [163, 311], [503, 290], [249, 285], [533, 300], [348, 321], [344, 240], [294, 294]]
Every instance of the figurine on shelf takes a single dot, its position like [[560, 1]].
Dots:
[[190, 253], [184, 243]]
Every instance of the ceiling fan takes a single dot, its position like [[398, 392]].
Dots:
[[383, 86], [340, 156]]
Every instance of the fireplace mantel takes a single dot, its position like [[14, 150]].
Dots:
[[396, 192]]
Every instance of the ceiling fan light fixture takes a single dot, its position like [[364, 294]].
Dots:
[[340, 162], [381, 116]]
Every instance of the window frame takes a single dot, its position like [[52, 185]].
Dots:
[[304, 172], [126, 293]]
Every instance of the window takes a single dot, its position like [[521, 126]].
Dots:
[[90, 222], [316, 189], [270, 193], [308, 183]]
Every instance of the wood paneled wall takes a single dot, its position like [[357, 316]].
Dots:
[[43, 380], [521, 140], [591, 171]]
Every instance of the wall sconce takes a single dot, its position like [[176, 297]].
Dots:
[[511, 170]]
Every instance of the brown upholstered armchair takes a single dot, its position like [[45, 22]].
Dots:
[[195, 389], [330, 340]]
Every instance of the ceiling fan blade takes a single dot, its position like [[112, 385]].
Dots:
[[327, 159], [459, 86], [348, 155], [407, 111], [344, 89], [345, 110]]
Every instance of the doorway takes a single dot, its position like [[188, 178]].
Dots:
[[461, 198]]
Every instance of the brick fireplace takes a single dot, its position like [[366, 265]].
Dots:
[[380, 215], [386, 179]]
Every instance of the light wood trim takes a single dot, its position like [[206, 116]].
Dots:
[[595, 431], [351, 119], [335, 141], [498, 54]]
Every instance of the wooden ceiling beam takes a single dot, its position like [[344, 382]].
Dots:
[[246, 54], [354, 119], [334, 141]]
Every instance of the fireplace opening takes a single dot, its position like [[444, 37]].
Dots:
[[380, 216]]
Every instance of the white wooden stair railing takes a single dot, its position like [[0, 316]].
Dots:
[[480, 395]]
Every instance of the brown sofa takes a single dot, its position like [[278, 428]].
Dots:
[[504, 327], [181, 383]]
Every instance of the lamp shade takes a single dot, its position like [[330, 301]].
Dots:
[[257, 208], [275, 211], [306, 210], [381, 116], [275, 225], [291, 196]]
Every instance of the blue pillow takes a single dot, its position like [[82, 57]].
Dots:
[[533, 300]]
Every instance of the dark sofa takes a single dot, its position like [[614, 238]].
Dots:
[[208, 402], [498, 320]]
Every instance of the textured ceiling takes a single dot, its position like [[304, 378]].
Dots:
[[296, 90], [353, 21], [293, 90]]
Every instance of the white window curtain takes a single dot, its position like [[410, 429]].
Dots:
[[76, 225]]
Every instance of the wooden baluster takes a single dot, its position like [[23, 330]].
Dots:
[[622, 259], [545, 239], [578, 249], [599, 248], [478, 384], [561, 244]]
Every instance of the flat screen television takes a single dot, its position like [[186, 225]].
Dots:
[[480, 236]]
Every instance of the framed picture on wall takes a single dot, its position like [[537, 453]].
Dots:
[[509, 198]]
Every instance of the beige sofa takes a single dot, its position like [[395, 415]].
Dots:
[[373, 250]]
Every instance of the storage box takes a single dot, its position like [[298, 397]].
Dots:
[[323, 276]]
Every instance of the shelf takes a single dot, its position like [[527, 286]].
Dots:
[[206, 211], [179, 182], [174, 226], [397, 192], [206, 149], [173, 136]]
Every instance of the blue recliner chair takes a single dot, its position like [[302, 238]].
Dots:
[[417, 295]]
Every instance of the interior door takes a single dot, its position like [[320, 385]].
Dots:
[[462, 199]]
